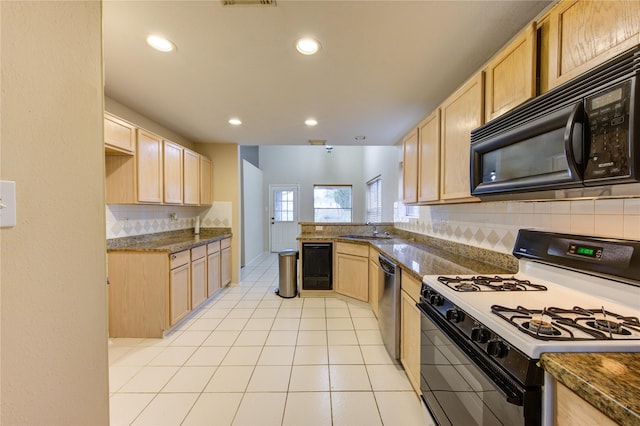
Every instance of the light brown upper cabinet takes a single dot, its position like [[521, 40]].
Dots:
[[460, 113], [429, 156], [191, 177], [410, 168], [206, 181], [173, 178], [510, 76], [119, 136], [149, 167], [583, 34]]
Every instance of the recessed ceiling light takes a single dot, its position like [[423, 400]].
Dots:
[[235, 121], [160, 43], [311, 122], [360, 138], [307, 46]]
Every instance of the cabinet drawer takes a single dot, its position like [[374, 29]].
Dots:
[[373, 254], [353, 249], [179, 259], [198, 252], [213, 247], [411, 286], [225, 243]]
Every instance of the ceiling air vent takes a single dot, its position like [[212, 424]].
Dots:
[[248, 2]]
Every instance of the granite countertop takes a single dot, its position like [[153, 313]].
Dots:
[[424, 258], [608, 381], [170, 242]]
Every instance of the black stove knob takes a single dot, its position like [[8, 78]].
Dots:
[[454, 315], [480, 335], [497, 349], [436, 299]]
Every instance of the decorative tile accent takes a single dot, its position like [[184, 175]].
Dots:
[[132, 220], [495, 225]]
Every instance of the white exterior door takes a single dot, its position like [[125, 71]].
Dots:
[[283, 217]]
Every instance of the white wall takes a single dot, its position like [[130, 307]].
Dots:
[[381, 160], [53, 266], [309, 165], [253, 207]]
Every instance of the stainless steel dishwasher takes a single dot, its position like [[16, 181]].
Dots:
[[389, 305]]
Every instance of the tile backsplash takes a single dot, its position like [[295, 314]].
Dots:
[[130, 220], [495, 225]]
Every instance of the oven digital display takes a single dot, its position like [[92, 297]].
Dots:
[[586, 251]]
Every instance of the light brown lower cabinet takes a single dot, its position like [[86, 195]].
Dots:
[[352, 270], [572, 410], [179, 281], [213, 268], [150, 292], [410, 339], [225, 262], [374, 283], [198, 276]]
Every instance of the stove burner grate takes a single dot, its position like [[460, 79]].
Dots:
[[570, 324], [495, 283]]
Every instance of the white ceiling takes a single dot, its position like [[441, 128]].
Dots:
[[383, 64]]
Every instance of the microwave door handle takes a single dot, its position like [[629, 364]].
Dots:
[[573, 140]]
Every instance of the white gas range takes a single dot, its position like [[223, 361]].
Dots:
[[482, 336]]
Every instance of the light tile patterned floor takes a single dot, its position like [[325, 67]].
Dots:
[[250, 357]]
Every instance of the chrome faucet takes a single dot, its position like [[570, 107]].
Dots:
[[375, 230]]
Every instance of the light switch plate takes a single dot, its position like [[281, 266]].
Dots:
[[7, 203]]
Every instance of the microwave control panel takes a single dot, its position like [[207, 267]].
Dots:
[[608, 113]]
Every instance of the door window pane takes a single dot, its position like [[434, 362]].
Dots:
[[283, 206]]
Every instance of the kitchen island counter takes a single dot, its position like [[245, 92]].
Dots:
[[608, 381], [421, 255]]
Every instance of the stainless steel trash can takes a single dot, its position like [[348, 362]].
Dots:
[[287, 271]]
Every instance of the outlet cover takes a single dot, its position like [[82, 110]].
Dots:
[[7, 203]]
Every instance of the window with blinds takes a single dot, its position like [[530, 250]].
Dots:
[[374, 200]]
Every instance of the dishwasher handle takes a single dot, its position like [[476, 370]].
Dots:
[[387, 265]]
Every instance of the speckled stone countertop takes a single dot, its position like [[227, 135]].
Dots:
[[421, 255], [608, 381], [170, 242]]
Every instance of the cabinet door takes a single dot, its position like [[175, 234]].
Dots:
[[191, 177], [179, 300], [583, 34], [172, 173], [149, 167], [510, 77], [410, 340], [119, 136], [461, 113], [573, 410], [374, 284], [225, 266], [352, 276], [410, 168], [198, 282], [213, 273], [429, 166], [206, 181]]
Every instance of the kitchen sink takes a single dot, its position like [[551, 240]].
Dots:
[[367, 237]]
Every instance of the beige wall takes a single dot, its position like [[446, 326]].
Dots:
[[226, 192], [53, 294]]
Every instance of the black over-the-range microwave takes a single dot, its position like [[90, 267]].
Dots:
[[581, 139]]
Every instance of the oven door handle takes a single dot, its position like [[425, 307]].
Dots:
[[503, 384]]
